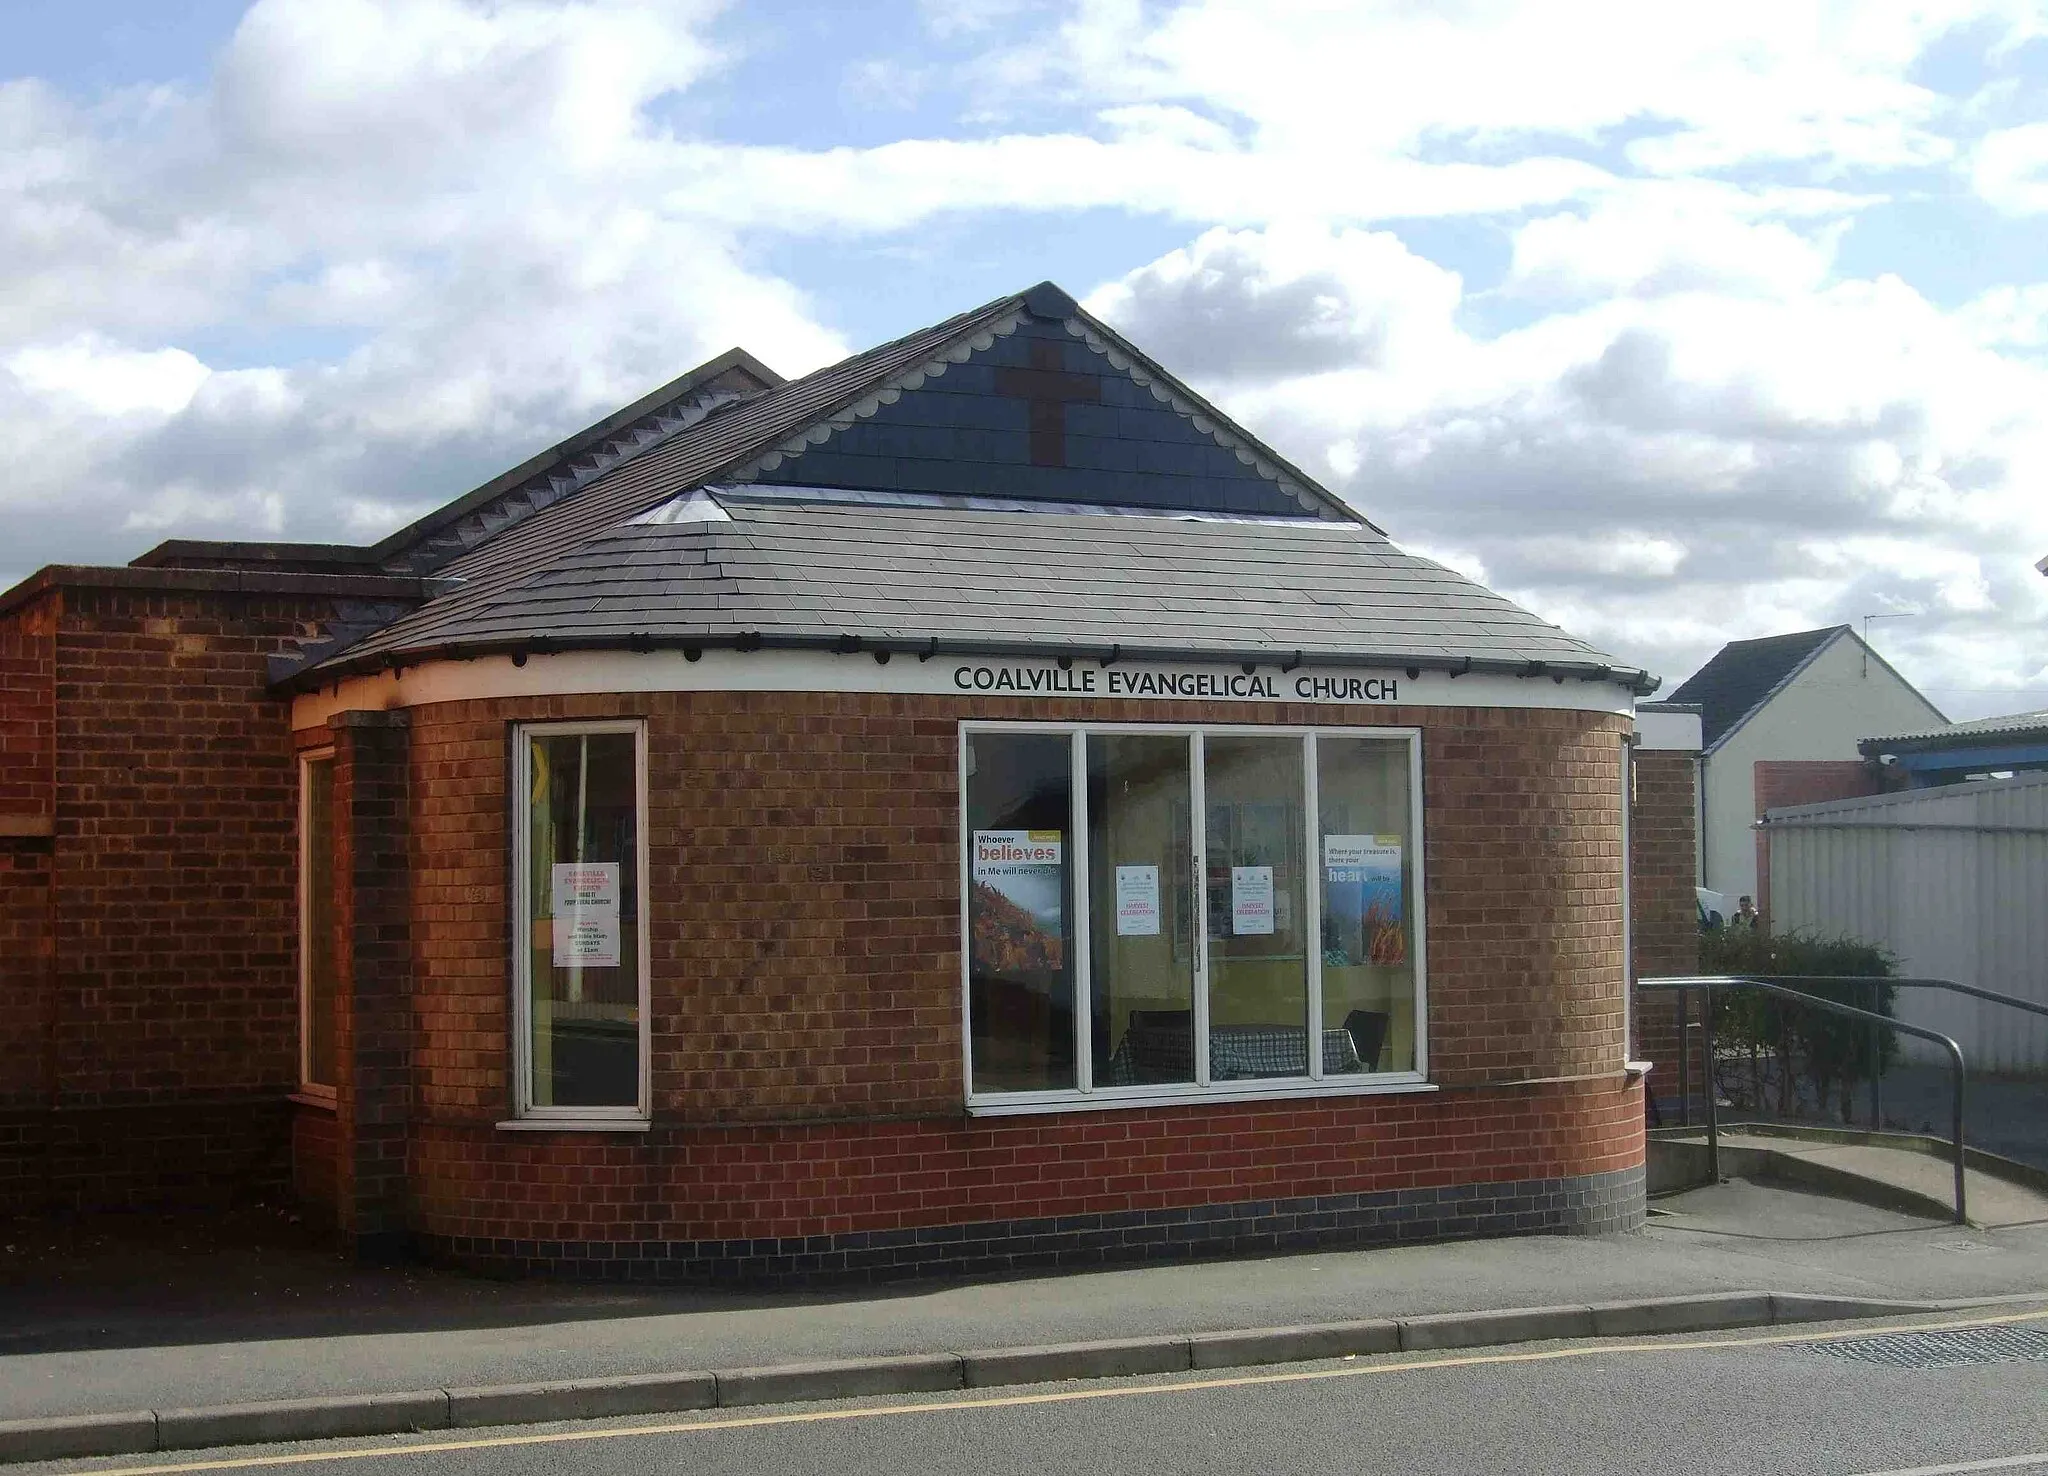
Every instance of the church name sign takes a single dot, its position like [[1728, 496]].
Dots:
[[968, 679], [1079, 680]]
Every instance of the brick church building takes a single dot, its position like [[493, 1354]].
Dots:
[[969, 808]]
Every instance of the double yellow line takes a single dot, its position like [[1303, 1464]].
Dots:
[[1348, 1370]]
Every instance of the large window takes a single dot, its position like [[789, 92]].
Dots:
[[580, 940], [316, 924], [1172, 913]]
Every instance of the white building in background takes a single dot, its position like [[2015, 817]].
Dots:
[[1808, 696]]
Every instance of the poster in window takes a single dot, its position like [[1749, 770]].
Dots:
[[1020, 893], [1137, 901], [1251, 900], [585, 898], [587, 940], [1363, 922]]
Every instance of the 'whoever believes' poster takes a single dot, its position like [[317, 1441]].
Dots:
[[1019, 900]]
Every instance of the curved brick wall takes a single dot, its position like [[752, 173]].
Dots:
[[803, 861]]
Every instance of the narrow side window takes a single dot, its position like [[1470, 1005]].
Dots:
[[316, 923], [584, 1035]]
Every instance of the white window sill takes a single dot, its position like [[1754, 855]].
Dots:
[[575, 1125], [1635, 1070], [1017, 1104], [313, 1096]]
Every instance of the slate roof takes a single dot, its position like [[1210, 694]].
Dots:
[[2032, 725], [780, 570], [1295, 571], [1744, 675]]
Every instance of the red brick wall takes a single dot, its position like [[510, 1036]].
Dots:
[[173, 1034], [1781, 782], [805, 906], [28, 719], [1664, 920], [28, 694]]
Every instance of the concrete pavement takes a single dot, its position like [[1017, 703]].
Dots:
[[441, 1334], [1828, 1399]]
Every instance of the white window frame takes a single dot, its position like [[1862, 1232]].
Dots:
[[323, 1091], [526, 1115], [1088, 1097]]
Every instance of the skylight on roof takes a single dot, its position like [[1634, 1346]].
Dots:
[[791, 493], [695, 506]]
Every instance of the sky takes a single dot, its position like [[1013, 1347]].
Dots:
[[1676, 324]]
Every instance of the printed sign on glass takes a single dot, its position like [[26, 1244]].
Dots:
[[1019, 909], [1137, 901], [586, 914], [1362, 907], [1251, 899]]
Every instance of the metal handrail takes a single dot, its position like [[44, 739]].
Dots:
[[2031, 1006], [1685, 984], [1876, 1075]]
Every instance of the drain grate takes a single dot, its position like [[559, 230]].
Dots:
[[1949, 1348]]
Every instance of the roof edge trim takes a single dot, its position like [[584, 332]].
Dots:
[[864, 401], [308, 679], [449, 513]]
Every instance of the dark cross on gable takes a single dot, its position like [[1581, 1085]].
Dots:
[[1048, 391]]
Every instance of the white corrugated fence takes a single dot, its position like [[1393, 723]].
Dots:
[[1953, 880]]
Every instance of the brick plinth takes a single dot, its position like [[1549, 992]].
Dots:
[[678, 1199], [1590, 1204]]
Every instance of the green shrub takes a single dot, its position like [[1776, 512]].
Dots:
[[1797, 1056]]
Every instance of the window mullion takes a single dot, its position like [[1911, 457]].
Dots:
[[1312, 905], [522, 916], [1198, 838], [1084, 898]]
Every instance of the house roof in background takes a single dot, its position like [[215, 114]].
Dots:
[[2027, 725], [1743, 675]]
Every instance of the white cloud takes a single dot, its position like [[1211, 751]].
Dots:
[[1826, 80], [107, 379], [2010, 169], [1661, 474], [459, 191], [2008, 315], [1647, 245], [1291, 300]]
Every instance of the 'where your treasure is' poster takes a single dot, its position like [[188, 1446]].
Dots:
[[1362, 915], [1019, 912]]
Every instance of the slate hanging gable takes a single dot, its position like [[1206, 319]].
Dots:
[[1041, 415], [1036, 400]]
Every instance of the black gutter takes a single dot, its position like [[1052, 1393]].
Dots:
[[928, 647]]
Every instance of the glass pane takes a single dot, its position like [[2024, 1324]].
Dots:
[[1258, 959], [1368, 863], [583, 898], [319, 940], [1141, 929], [1020, 996]]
